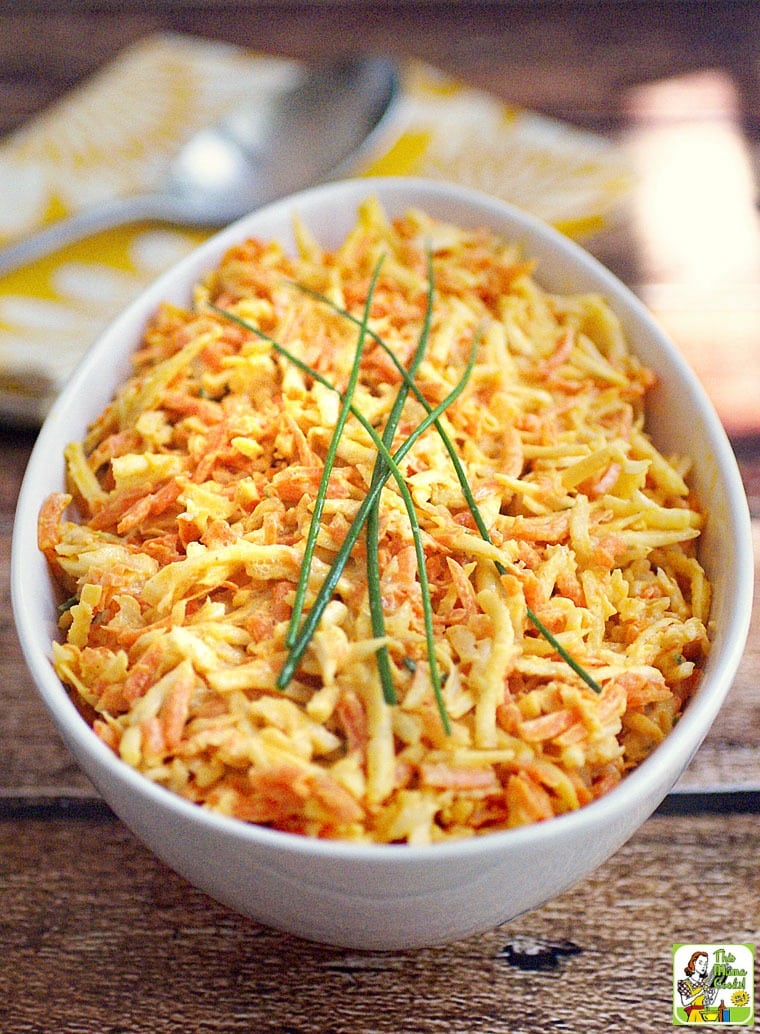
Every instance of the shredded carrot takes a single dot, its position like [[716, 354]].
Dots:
[[182, 529]]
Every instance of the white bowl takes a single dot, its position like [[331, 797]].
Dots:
[[394, 896]]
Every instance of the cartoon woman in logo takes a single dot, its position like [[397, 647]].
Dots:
[[696, 991]]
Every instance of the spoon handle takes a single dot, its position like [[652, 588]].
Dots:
[[104, 216]]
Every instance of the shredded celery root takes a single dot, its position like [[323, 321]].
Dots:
[[190, 509]]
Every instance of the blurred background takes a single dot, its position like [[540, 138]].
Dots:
[[674, 87]]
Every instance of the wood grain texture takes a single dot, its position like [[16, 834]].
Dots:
[[574, 60], [113, 942]]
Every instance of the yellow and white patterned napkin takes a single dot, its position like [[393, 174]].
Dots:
[[117, 134]]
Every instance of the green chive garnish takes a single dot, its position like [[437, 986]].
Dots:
[[465, 486], [333, 576], [299, 646], [447, 442], [386, 465], [376, 609], [319, 502]]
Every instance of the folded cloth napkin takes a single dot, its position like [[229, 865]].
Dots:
[[117, 133]]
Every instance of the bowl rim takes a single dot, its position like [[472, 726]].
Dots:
[[641, 790]]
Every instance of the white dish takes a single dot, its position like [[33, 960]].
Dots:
[[395, 897]]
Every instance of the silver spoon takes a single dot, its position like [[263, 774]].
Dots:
[[313, 131]]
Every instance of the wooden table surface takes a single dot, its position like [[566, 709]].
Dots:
[[96, 936]]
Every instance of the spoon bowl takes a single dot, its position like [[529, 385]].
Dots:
[[317, 129]]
